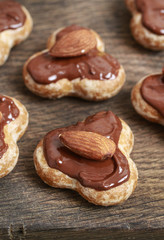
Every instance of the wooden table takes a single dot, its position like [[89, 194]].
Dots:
[[30, 209]]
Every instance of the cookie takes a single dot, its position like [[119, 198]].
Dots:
[[74, 64], [147, 24], [13, 122], [91, 157], [148, 97], [15, 26]]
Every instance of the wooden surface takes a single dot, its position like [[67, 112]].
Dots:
[[30, 209]]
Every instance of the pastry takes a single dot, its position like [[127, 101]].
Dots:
[[147, 24], [13, 124], [15, 26], [148, 97], [74, 64], [91, 157]]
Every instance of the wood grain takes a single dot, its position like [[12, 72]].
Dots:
[[29, 209]]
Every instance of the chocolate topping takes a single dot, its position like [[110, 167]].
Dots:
[[100, 175], [152, 91], [45, 69], [152, 14], [11, 15], [8, 113]]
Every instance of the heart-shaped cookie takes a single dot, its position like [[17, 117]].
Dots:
[[15, 26], [79, 158], [13, 124], [147, 24], [74, 64], [148, 97]]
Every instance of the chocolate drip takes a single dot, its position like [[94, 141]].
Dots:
[[11, 15], [100, 175], [8, 113], [152, 91], [45, 69], [152, 14]]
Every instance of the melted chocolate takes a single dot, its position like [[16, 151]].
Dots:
[[8, 113], [100, 175], [152, 91], [45, 69], [152, 14], [11, 15]]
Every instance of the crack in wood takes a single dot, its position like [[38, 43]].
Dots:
[[17, 232]]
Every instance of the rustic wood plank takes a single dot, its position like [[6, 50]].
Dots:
[[100, 234], [29, 209]]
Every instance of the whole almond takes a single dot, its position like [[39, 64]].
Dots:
[[88, 144], [74, 43]]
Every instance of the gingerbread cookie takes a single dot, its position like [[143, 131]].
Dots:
[[15, 26], [13, 124], [148, 97], [91, 157], [74, 64], [147, 24]]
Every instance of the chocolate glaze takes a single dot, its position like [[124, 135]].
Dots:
[[11, 15], [152, 14], [8, 113], [100, 175], [152, 91], [68, 29], [45, 69]]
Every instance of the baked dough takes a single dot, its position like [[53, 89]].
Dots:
[[142, 107], [141, 34], [94, 90], [13, 132], [113, 196], [12, 37]]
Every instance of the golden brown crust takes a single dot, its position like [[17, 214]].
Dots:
[[142, 107], [94, 90], [13, 132], [10, 38], [141, 34], [56, 178]]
